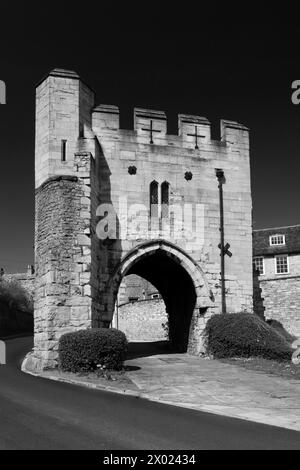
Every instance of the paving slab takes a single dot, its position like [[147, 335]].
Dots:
[[211, 385]]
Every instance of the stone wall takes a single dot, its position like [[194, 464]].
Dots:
[[66, 293], [63, 105], [280, 294], [143, 320], [281, 299], [63, 263]]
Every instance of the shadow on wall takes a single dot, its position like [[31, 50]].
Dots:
[[258, 301], [107, 251]]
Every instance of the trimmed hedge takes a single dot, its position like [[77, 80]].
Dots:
[[244, 335], [87, 350], [277, 326]]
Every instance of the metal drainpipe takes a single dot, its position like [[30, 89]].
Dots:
[[117, 313], [221, 178]]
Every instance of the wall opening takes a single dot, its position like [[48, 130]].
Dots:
[[63, 150], [140, 311], [177, 290]]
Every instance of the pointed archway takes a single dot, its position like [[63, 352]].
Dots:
[[177, 277]]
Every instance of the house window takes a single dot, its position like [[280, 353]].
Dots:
[[259, 265], [281, 264], [277, 240], [155, 296], [133, 299], [154, 199]]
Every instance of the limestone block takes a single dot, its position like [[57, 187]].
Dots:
[[83, 240]]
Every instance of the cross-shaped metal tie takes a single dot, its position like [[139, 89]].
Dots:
[[151, 130], [225, 250], [196, 135]]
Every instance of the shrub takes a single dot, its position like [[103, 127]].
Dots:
[[15, 296], [85, 350], [244, 335], [276, 325]]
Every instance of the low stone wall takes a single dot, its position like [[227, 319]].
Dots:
[[281, 301], [142, 320]]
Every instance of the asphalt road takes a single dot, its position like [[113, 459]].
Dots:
[[40, 414]]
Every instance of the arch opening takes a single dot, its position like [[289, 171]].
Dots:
[[141, 314], [163, 270]]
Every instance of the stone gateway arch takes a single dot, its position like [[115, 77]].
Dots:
[[180, 281], [112, 202]]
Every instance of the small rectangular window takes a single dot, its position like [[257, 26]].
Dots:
[[259, 265], [155, 296], [277, 240], [281, 264], [63, 150]]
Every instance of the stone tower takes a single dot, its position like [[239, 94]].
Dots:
[[112, 202]]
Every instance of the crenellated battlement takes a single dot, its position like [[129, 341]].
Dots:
[[106, 118], [194, 130], [150, 127], [67, 121]]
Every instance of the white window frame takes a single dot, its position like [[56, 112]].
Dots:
[[263, 263], [288, 264], [277, 235]]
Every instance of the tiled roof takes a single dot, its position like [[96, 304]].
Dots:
[[261, 241]]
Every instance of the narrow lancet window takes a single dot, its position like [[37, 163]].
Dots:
[[165, 199], [154, 199]]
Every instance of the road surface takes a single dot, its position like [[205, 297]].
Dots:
[[38, 413]]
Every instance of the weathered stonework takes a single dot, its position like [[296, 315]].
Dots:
[[62, 263], [143, 320], [78, 275], [281, 302]]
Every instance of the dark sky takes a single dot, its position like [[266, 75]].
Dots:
[[236, 63]]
